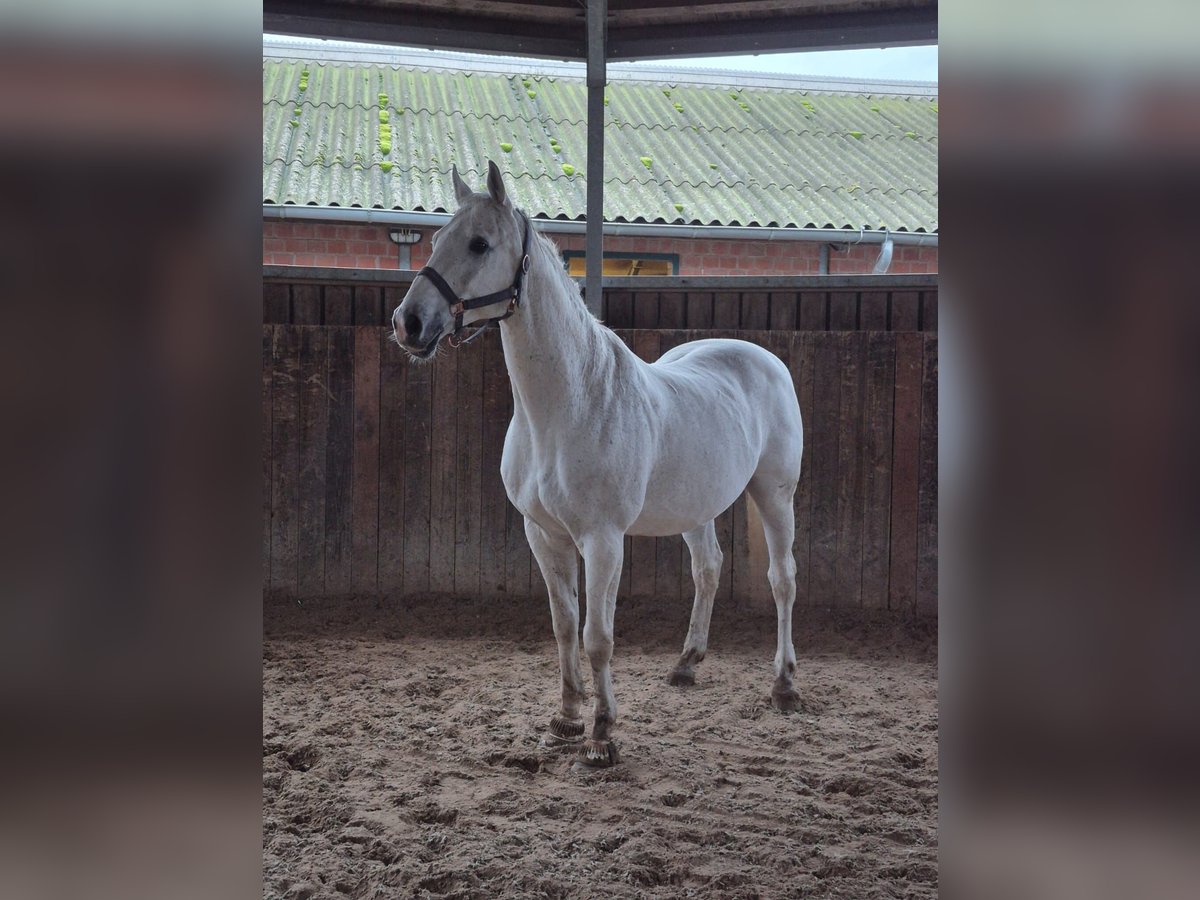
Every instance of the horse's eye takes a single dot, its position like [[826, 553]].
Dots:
[[479, 245]]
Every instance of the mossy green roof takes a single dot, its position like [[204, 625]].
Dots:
[[694, 154]]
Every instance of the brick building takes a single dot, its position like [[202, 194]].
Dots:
[[707, 173]]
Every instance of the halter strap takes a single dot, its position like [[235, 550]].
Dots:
[[459, 306]]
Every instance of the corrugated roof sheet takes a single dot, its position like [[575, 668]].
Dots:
[[673, 153]]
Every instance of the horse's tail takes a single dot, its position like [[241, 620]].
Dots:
[[756, 541]]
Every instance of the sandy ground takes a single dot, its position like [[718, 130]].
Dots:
[[401, 758]]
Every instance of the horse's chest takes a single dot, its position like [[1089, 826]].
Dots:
[[542, 484]]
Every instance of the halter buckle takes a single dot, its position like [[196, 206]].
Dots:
[[525, 264]]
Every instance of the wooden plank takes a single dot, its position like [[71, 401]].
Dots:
[[368, 305], [338, 305], [800, 363], [814, 311], [306, 304], [873, 311], [497, 412], [365, 491], [927, 484], [645, 309], [442, 473], [314, 419], [671, 313], [876, 546], [756, 311], [784, 310], [851, 496], [843, 311], [418, 407], [619, 312], [268, 370], [727, 311], [644, 550], [393, 394], [285, 466], [392, 298], [929, 311], [906, 428], [469, 471], [277, 303], [698, 310], [339, 462], [725, 524], [827, 387], [905, 311]]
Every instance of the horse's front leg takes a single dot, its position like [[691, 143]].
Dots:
[[559, 562], [602, 556]]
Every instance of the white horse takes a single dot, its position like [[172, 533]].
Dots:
[[602, 445]]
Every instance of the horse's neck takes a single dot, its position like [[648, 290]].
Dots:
[[553, 347]]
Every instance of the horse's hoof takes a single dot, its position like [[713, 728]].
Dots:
[[681, 677], [598, 754], [785, 699], [563, 732]]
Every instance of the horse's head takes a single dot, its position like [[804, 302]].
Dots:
[[475, 256]]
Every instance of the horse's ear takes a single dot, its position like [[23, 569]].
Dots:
[[461, 191], [495, 184]]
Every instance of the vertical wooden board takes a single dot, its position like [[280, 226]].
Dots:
[[827, 392], [368, 305], [784, 310], [277, 303], [756, 311], [745, 576], [442, 473], [851, 495], [698, 310], [285, 466], [625, 588], [268, 371], [929, 311], [619, 313], [644, 551], [876, 547], [314, 418], [671, 311], [906, 428], [418, 410], [365, 492], [645, 309], [339, 462], [800, 363], [927, 483], [724, 528], [338, 305], [393, 376], [814, 311], [392, 298], [906, 311], [843, 311], [727, 311], [306, 304], [872, 311], [469, 472], [497, 412]]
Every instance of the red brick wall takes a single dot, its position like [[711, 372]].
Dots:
[[299, 243]]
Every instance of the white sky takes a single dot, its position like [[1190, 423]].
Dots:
[[899, 63]]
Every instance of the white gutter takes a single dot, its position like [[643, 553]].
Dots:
[[617, 229]]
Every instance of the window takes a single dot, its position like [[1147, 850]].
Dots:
[[625, 264]]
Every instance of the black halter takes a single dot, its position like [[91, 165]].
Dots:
[[458, 306]]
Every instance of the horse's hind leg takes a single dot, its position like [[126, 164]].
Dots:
[[557, 559], [773, 497], [706, 573]]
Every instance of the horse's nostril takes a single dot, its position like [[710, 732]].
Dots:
[[412, 326]]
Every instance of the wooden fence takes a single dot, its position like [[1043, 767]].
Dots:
[[294, 295], [383, 478]]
